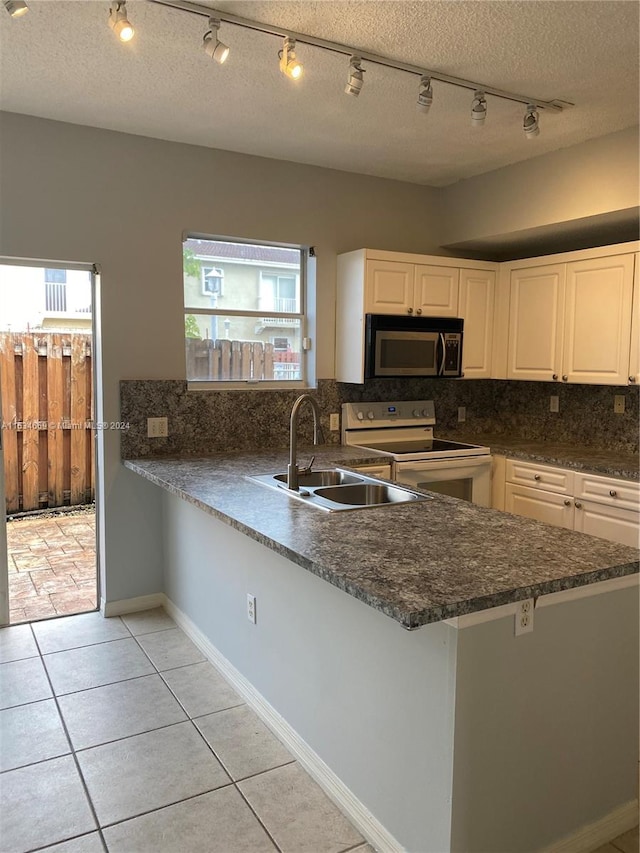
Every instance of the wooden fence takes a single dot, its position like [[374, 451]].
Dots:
[[47, 404], [229, 360]]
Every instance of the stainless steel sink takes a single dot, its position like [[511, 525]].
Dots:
[[334, 489], [328, 477]]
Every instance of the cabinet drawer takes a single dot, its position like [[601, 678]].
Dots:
[[607, 490], [543, 477]]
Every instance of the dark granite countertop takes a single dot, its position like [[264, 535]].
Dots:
[[608, 463], [417, 563]]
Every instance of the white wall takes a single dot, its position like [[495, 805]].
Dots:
[[75, 193], [594, 179]]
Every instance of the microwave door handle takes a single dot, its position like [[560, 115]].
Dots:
[[441, 368]]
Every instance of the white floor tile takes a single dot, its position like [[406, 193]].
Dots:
[[201, 689], [148, 621], [93, 666], [71, 632], [84, 844], [132, 776], [628, 842], [219, 822], [169, 649], [297, 813], [42, 804], [31, 733], [119, 710], [242, 742], [23, 681], [16, 642]]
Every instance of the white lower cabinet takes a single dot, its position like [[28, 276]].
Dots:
[[601, 506]]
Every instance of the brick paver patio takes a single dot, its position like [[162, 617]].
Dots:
[[52, 565]]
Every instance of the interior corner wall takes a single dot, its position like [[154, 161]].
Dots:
[[74, 193], [596, 177]]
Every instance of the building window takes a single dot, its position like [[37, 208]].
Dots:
[[55, 290], [244, 307]]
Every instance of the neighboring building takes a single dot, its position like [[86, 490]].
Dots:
[[35, 298]]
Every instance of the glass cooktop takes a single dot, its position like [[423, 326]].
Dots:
[[435, 445]]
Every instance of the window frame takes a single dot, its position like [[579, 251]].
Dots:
[[307, 365]]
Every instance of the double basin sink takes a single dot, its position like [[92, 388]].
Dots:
[[333, 489]]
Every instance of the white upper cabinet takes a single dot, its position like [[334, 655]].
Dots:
[[634, 358], [436, 291], [598, 321], [476, 305], [536, 323], [390, 287], [571, 322]]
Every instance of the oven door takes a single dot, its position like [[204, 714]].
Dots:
[[467, 478]]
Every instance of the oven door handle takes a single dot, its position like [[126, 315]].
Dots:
[[441, 367]]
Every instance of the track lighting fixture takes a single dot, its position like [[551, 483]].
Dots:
[[531, 122], [355, 80], [425, 94], [289, 65], [16, 8], [119, 22], [213, 47], [478, 109]]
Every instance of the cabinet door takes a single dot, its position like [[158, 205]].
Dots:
[[612, 523], [536, 323], [597, 326], [389, 288], [542, 506], [436, 291], [634, 360], [477, 295]]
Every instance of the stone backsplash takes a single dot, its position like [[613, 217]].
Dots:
[[202, 422]]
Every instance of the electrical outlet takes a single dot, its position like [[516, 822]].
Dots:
[[554, 404], [462, 414], [618, 404], [251, 608], [157, 427], [524, 617], [334, 422]]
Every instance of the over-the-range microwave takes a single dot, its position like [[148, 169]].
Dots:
[[412, 346]]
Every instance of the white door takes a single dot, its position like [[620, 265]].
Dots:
[[612, 523], [536, 323], [389, 287], [541, 506], [598, 321], [436, 291], [477, 296]]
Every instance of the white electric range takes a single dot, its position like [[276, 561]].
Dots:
[[404, 430]]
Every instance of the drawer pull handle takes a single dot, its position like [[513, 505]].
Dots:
[[409, 310], [419, 311], [536, 476], [567, 502], [632, 379], [565, 378], [578, 505], [613, 493], [555, 377]]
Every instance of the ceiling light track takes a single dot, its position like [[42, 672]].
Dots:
[[363, 55]]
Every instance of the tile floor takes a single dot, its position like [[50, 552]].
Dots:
[[117, 735], [52, 565]]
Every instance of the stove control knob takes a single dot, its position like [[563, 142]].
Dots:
[[425, 413], [370, 415], [360, 416], [416, 413]]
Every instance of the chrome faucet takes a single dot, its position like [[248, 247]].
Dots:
[[292, 470]]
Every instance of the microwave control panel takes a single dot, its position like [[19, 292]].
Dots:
[[452, 353]]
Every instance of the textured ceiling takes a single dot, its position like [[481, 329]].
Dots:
[[61, 61]]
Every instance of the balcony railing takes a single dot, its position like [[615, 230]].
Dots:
[[55, 296]]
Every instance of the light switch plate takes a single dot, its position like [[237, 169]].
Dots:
[[618, 404], [462, 414], [157, 427], [554, 403], [334, 422]]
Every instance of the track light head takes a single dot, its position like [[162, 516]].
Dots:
[[212, 45], [289, 65], [478, 109], [119, 22], [16, 8], [531, 122], [425, 95], [355, 81]]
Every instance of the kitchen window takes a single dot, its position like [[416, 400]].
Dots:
[[244, 306]]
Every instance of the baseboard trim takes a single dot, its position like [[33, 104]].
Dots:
[[595, 834], [131, 605], [373, 831]]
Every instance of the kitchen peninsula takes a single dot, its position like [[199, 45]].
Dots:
[[458, 736]]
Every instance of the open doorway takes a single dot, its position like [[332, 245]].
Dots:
[[48, 564]]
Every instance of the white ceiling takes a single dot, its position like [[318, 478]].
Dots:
[[61, 61]]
